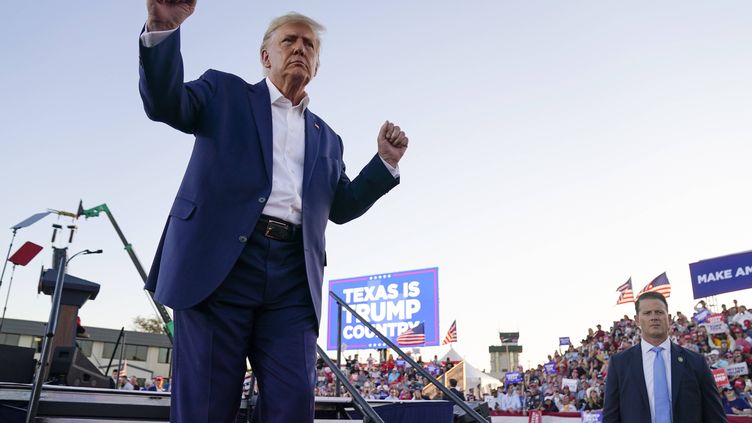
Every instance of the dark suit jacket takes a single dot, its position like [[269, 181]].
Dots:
[[694, 396], [229, 177]]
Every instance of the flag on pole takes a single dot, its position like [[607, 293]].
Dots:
[[451, 335], [626, 294], [25, 254], [414, 336], [659, 284]]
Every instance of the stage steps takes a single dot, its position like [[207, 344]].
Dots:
[[66, 404], [77, 420]]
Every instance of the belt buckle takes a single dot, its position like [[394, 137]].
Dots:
[[276, 230]]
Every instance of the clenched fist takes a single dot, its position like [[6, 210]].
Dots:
[[392, 143], [168, 14]]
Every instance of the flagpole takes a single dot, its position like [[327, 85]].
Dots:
[[10, 284], [7, 257]]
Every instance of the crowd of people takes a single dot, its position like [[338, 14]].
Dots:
[[572, 380], [390, 379], [575, 379], [123, 382]]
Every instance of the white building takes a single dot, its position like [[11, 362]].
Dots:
[[146, 355]]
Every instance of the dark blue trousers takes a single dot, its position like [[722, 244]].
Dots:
[[262, 311]]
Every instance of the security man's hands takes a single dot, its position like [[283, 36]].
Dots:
[[168, 14], [392, 143]]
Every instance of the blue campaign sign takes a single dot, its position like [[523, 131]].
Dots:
[[591, 416], [721, 274], [701, 316], [393, 302], [550, 368], [513, 377], [564, 340]]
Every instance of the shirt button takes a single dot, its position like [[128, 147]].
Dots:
[[262, 200], [242, 239]]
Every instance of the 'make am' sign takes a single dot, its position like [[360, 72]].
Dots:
[[721, 274]]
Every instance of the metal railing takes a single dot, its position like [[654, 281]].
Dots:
[[423, 372], [369, 415]]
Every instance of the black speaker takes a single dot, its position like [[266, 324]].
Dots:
[[479, 407], [17, 364], [72, 368]]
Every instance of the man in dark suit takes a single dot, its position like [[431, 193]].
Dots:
[[658, 381], [242, 254], [455, 391]]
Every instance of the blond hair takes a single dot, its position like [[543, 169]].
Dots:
[[292, 17]]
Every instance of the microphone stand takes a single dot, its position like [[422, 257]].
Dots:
[[36, 390], [44, 357]]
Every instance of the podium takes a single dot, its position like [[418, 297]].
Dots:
[[72, 367]]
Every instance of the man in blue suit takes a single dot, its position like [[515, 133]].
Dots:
[[242, 255], [658, 381]]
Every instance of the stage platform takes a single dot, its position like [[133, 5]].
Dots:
[[66, 404]]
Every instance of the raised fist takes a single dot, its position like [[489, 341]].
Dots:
[[168, 14]]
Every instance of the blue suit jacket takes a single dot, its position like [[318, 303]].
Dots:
[[229, 177], [694, 397]]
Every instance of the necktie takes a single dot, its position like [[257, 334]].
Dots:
[[661, 396]]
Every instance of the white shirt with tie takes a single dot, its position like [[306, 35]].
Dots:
[[648, 360]]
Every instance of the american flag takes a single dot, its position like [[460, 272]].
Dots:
[[626, 295], [659, 284], [414, 336], [451, 335]]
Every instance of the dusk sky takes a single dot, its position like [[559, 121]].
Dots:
[[556, 148]]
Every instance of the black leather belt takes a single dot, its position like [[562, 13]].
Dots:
[[278, 229]]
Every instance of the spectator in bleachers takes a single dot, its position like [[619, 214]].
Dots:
[[511, 400], [394, 394], [733, 404], [594, 400]]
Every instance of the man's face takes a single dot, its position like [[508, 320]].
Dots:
[[653, 320], [292, 54]]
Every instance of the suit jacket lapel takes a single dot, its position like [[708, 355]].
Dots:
[[312, 139], [677, 367], [262, 113], [638, 375]]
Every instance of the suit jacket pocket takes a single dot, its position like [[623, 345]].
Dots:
[[182, 208]]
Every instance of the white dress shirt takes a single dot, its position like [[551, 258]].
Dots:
[[288, 141], [648, 360], [288, 153]]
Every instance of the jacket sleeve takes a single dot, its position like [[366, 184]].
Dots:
[[353, 198], [611, 411], [712, 409], [166, 98]]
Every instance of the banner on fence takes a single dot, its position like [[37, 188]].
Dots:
[[591, 416]]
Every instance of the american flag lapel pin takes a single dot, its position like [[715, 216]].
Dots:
[[315, 125]]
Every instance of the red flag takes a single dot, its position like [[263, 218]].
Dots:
[[23, 256]]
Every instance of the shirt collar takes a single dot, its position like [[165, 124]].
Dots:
[[275, 96], [647, 346]]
